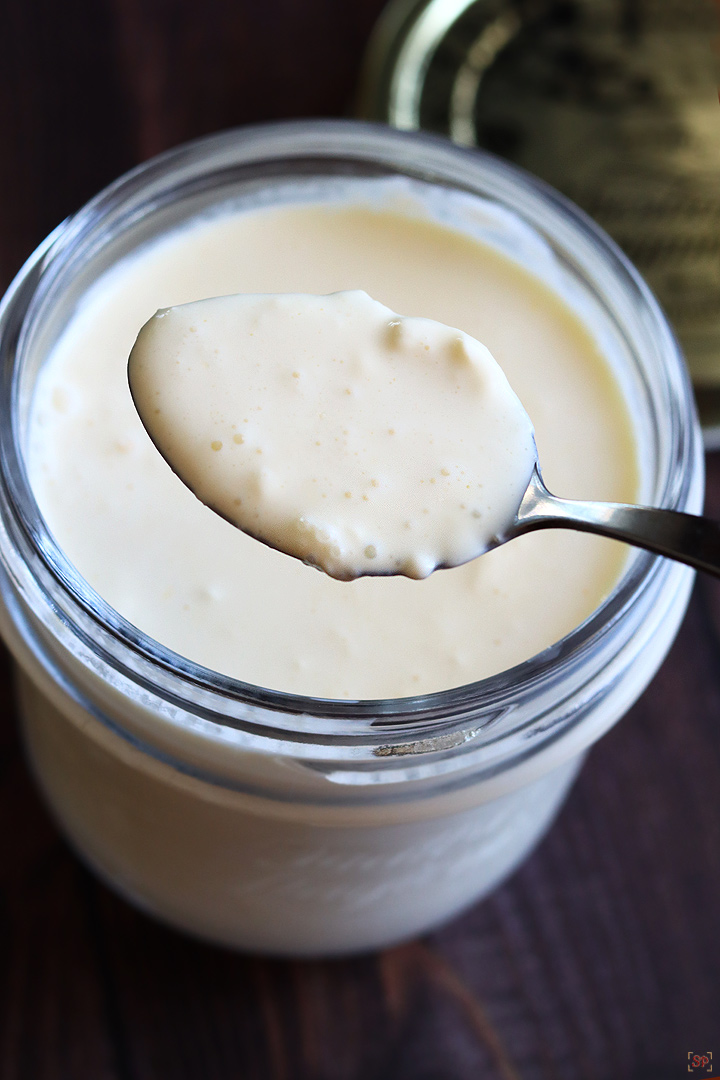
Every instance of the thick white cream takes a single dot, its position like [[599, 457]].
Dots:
[[195, 583], [336, 430]]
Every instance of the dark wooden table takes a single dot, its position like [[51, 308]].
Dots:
[[599, 960]]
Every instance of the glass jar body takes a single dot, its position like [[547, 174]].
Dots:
[[287, 879], [290, 825]]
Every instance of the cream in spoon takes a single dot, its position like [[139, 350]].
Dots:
[[336, 430]]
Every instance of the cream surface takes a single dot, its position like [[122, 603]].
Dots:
[[336, 430], [202, 588]]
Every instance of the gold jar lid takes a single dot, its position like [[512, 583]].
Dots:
[[613, 102]]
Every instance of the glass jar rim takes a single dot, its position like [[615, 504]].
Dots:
[[228, 701]]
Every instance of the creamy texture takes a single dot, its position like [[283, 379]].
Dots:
[[336, 430], [196, 584]]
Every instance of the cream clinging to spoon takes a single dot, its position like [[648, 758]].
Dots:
[[336, 430]]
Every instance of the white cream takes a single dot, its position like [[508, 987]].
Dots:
[[202, 588], [336, 430]]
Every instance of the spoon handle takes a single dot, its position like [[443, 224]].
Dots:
[[683, 537]]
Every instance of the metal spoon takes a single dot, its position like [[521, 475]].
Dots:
[[683, 537]]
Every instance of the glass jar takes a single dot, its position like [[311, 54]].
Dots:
[[287, 824]]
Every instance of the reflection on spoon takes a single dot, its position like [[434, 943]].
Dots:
[[358, 440], [686, 538]]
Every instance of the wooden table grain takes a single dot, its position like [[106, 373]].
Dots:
[[598, 960]]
